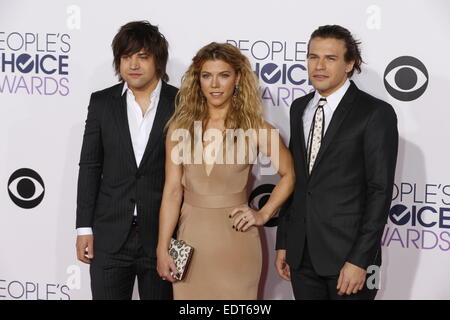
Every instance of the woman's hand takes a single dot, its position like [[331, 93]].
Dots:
[[165, 266], [244, 217]]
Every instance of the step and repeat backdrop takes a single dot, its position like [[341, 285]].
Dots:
[[53, 54]]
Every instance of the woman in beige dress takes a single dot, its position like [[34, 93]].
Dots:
[[208, 162]]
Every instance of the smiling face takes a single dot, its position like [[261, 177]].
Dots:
[[138, 70], [217, 82], [327, 68]]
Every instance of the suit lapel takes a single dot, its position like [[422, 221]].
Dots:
[[338, 117], [301, 132], [121, 116], [161, 117]]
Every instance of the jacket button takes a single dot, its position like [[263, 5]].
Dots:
[[309, 193], [138, 175]]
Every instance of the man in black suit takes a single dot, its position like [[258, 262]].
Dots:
[[121, 175], [344, 144]]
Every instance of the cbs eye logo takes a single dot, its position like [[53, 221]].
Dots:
[[258, 199], [26, 188], [406, 78]]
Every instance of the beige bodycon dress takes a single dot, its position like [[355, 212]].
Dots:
[[226, 264]]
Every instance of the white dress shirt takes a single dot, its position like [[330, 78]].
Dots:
[[140, 128], [333, 101]]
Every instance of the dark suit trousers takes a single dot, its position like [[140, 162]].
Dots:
[[113, 275], [308, 285]]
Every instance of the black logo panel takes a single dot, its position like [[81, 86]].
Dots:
[[26, 188], [406, 78]]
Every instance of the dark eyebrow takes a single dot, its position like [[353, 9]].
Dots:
[[221, 72], [328, 55]]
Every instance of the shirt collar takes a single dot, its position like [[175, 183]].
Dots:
[[333, 99], [155, 93]]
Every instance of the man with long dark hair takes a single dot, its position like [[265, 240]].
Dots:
[[344, 144], [121, 174]]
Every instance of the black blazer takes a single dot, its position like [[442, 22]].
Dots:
[[342, 206], [110, 183]]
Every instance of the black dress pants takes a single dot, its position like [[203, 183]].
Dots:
[[113, 275], [308, 285]]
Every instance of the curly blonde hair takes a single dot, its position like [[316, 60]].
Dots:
[[246, 109]]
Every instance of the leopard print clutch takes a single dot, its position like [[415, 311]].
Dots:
[[181, 254]]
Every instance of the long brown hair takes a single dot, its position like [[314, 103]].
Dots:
[[246, 109]]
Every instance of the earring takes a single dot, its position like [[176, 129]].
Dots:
[[236, 90]]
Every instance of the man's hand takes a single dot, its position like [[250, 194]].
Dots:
[[282, 267], [85, 248], [351, 279]]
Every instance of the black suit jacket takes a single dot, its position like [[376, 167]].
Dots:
[[342, 206], [110, 183]]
